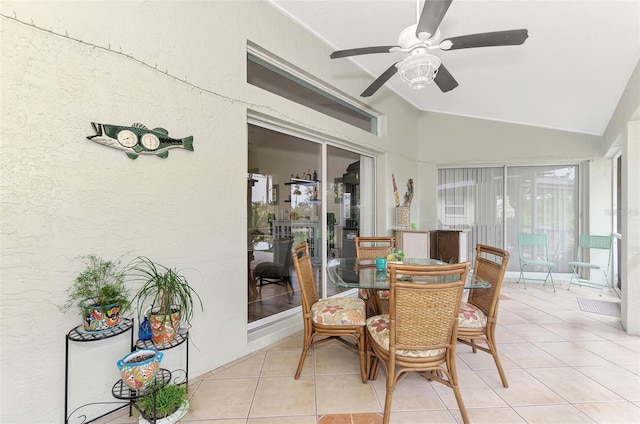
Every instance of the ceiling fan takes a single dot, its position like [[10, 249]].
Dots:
[[421, 68]]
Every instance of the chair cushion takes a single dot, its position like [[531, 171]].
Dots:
[[382, 294], [378, 328], [270, 270], [471, 316], [338, 311]]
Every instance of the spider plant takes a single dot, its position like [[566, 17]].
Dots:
[[163, 290]]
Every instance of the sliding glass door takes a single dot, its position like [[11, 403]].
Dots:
[[306, 189], [495, 204]]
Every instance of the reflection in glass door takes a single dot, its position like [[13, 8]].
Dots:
[[298, 194]]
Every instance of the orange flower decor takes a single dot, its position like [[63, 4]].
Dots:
[[468, 313], [332, 309], [380, 325]]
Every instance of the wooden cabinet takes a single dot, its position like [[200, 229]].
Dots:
[[449, 246], [414, 243]]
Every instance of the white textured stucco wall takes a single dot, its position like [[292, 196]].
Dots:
[[66, 64]]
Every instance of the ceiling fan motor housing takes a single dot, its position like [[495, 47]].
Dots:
[[408, 38]]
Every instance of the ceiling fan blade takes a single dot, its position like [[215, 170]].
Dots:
[[444, 80], [379, 82], [488, 39], [362, 50], [432, 13]]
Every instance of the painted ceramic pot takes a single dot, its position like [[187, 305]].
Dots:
[[138, 368], [164, 327], [98, 320]]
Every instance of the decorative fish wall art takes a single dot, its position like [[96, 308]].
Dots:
[[138, 140]]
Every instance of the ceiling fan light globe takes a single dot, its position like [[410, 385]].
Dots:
[[419, 70]]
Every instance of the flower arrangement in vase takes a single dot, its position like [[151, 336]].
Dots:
[[395, 256]]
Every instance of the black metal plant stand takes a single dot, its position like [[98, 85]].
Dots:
[[77, 335], [120, 390]]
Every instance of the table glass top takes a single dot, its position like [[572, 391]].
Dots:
[[362, 274]]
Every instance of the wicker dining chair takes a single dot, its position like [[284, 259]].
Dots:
[[371, 248], [479, 314], [419, 333], [335, 318]]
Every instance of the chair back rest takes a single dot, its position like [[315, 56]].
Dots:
[[304, 271], [532, 246], [424, 315], [282, 252], [373, 247], [587, 241], [490, 265]]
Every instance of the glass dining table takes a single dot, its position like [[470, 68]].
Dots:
[[362, 274]]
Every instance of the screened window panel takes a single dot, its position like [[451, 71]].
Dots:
[[545, 200]]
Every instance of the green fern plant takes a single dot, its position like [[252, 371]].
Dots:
[[101, 283]]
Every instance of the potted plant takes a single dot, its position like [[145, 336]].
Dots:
[[172, 403], [100, 292], [138, 368], [165, 296]]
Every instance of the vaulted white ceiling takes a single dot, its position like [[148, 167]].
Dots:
[[568, 75]]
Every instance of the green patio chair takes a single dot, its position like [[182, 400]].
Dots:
[[587, 247], [533, 254]]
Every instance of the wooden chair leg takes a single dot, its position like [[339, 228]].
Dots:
[[374, 367], [303, 355], [387, 400], [491, 344], [453, 382], [362, 352], [463, 410]]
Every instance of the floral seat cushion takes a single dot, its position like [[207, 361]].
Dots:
[[471, 316], [378, 328], [339, 311], [382, 294]]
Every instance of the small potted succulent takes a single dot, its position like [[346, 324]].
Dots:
[[172, 403], [165, 296], [100, 292]]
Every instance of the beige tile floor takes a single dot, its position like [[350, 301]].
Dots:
[[563, 366]]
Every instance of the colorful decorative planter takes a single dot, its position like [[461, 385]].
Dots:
[[164, 327], [138, 368], [99, 320]]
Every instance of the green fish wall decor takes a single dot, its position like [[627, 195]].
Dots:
[[138, 140]]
